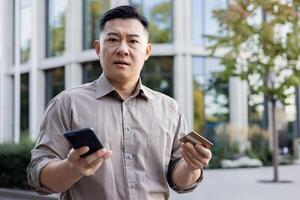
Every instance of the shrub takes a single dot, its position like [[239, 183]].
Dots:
[[14, 160], [222, 149]]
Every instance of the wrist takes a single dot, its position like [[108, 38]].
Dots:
[[189, 168]]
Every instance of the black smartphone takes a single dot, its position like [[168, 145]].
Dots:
[[84, 137]]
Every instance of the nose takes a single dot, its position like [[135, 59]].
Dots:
[[122, 49]]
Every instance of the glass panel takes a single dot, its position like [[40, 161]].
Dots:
[[91, 71], [288, 133], [56, 22], [159, 14], [24, 106], [211, 96], [55, 82], [92, 11], [197, 21], [203, 22], [25, 29], [157, 74]]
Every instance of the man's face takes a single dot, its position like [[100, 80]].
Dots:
[[123, 48]]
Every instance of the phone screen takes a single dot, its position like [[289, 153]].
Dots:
[[84, 137]]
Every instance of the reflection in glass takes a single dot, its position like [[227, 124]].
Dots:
[[159, 14], [56, 24], [92, 11], [25, 29], [290, 111], [204, 23], [211, 95], [157, 74], [24, 106], [55, 82], [91, 71]]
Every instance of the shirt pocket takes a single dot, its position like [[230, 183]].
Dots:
[[158, 153]]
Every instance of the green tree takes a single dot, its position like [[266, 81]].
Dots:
[[58, 36], [263, 52], [199, 115], [160, 23]]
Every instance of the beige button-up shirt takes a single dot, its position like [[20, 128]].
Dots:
[[142, 132]]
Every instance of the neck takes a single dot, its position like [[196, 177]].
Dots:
[[124, 88]]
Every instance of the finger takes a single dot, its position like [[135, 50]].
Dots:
[[195, 156], [188, 147], [96, 155], [81, 150], [74, 154], [107, 155], [95, 164], [205, 152], [189, 162]]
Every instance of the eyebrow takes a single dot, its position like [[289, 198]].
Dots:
[[117, 34]]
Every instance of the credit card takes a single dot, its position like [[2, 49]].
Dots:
[[194, 138]]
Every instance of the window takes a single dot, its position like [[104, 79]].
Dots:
[[24, 105], [25, 29], [55, 27], [55, 82], [211, 95], [289, 132], [92, 11], [159, 14], [91, 71], [157, 74], [203, 22]]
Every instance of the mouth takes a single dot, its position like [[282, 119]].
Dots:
[[120, 62]]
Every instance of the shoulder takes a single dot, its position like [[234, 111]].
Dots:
[[161, 99], [80, 92]]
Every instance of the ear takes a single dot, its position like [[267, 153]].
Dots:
[[97, 47], [148, 51]]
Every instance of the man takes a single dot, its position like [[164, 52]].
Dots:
[[139, 128]]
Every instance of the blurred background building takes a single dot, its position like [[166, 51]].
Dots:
[[47, 46]]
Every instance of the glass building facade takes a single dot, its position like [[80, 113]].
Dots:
[[52, 50]]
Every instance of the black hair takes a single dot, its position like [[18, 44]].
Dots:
[[123, 12]]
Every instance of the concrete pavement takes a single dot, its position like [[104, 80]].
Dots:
[[246, 184], [225, 184]]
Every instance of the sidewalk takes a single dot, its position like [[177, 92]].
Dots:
[[8, 194], [245, 184], [225, 184]]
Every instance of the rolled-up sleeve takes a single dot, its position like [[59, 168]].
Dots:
[[50, 145], [34, 170], [189, 188], [176, 158]]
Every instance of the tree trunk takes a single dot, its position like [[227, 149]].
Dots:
[[274, 142]]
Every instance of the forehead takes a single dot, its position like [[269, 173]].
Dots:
[[124, 26]]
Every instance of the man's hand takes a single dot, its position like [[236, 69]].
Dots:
[[88, 165], [195, 156]]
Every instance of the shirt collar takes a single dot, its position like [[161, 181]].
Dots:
[[104, 87]]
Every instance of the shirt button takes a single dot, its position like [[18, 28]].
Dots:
[[131, 156], [133, 185]]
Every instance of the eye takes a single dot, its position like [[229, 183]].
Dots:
[[112, 39], [133, 41]]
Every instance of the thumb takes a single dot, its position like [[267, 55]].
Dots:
[[81, 150]]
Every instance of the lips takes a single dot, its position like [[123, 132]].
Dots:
[[121, 62]]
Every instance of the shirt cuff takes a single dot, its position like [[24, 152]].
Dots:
[[33, 177], [172, 166]]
